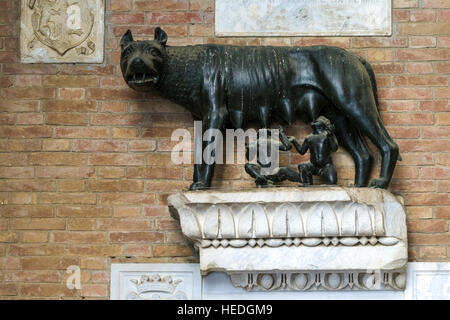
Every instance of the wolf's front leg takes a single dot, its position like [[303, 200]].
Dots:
[[204, 172]]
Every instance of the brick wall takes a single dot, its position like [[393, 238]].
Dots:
[[85, 165]]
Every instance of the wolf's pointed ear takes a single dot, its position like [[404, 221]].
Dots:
[[126, 39], [160, 36]]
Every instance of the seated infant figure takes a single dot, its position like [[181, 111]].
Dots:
[[260, 171]]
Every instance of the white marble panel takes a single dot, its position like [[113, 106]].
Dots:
[[155, 281], [303, 17]]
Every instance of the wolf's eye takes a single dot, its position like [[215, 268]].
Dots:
[[128, 51], [154, 52]]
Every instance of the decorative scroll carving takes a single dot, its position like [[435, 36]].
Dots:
[[156, 287], [310, 280]]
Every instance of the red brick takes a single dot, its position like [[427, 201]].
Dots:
[[29, 118], [67, 119], [444, 15], [115, 186], [119, 5], [108, 119], [422, 42], [38, 224], [78, 237], [407, 118], [48, 263], [433, 252], [27, 93], [116, 224], [36, 250], [94, 290], [19, 106], [434, 105], [32, 276], [171, 251], [81, 224], [93, 263], [419, 213], [155, 173], [70, 81], [109, 250], [419, 67], [424, 145], [56, 145], [443, 159], [82, 132], [435, 173], [428, 239], [423, 54], [47, 290], [127, 18], [111, 172], [174, 18], [427, 199], [428, 226], [68, 198], [406, 3], [25, 132], [436, 4], [426, 28], [35, 211], [142, 145], [162, 5], [8, 237], [442, 93], [27, 185], [71, 93], [127, 198], [116, 159], [136, 237], [70, 106], [9, 289], [442, 67], [99, 146], [16, 172], [8, 263], [57, 158], [423, 15], [405, 93]]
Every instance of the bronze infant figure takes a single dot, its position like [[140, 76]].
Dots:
[[255, 170], [321, 143], [230, 86]]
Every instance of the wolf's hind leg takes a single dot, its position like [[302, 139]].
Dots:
[[350, 138]]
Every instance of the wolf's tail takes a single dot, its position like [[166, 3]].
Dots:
[[373, 80], [369, 70]]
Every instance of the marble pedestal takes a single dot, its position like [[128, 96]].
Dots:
[[317, 238]]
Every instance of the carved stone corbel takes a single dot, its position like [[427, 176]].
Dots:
[[319, 238]]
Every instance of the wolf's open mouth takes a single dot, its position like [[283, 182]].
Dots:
[[142, 78]]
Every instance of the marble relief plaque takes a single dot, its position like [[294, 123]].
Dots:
[[303, 18], [62, 31]]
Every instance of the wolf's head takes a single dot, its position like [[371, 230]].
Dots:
[[142, 62]]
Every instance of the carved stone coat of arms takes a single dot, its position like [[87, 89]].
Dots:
[[62, 31]]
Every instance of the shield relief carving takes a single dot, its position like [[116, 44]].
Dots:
[[63, 31]]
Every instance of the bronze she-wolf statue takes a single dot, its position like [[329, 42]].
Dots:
[[230, 86]]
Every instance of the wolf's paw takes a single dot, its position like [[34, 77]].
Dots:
[[199, 185], [378, 183]]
